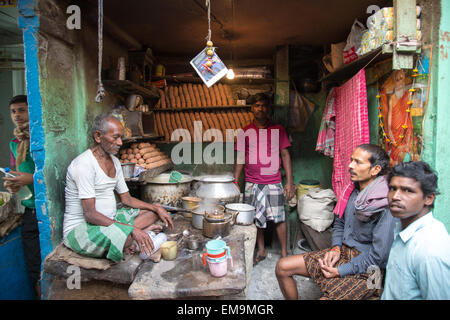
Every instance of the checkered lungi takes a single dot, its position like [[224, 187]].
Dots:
[[351, 287], [103, 242], [268, 200]]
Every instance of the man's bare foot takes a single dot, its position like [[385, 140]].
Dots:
[[156, 228], [259, 256]]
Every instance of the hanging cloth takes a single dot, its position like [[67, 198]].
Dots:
[[325, 140], [352, 129], [23, 135]]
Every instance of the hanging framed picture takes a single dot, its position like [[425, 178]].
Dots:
[[210, 68]]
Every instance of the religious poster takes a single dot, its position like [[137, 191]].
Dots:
[[210, 68], [403, 98]]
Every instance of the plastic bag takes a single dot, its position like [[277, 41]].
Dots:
[[353, 42]]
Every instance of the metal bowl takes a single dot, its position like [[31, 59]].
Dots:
[[193, 242]]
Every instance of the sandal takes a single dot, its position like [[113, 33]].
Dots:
[[257, 259]]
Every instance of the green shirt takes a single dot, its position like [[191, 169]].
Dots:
[[26, 166]]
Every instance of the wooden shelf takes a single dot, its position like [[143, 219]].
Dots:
[[127, 87], [347, 71], [138, 138], [202, 108], [223, 80]]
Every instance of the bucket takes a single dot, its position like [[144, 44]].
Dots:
[[219, 267], [305, 185], [215, 247], [221, 256]]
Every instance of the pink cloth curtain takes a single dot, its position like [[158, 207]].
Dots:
[[352, 129]]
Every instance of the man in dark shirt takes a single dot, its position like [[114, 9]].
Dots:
[[361, 239]]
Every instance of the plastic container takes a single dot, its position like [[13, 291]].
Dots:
[[158, 240], [219, 267], [214, 247], [169, 250], [24, 193]]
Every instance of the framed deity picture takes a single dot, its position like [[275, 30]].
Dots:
[[210, 69]]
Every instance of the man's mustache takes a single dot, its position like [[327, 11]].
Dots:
[[396, 203]]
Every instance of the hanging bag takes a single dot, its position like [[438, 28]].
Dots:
[[353, 42]]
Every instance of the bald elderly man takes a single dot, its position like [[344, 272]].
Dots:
[[93, 226]]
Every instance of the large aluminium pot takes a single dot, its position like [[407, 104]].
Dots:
[[160, 190], [218, 188], [245, 212]]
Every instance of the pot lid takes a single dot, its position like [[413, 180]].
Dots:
[[163, 178], [217, 178], [239, 206]]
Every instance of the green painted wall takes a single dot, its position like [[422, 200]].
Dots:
[[68, 80], [437, 147]]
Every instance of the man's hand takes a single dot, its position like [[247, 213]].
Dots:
[[163, 215], [331, 257], [12, 188], [20, 179], [143, 240], [289, 191], [328, 272]]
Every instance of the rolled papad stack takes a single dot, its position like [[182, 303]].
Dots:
[[229, 95]]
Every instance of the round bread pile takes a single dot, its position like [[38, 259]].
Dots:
[[144, 154]]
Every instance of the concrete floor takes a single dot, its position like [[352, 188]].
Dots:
[[264, 285]]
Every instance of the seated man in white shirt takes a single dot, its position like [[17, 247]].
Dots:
[[92, 224], [419, 260]]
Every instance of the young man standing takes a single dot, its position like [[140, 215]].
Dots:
[[361, 238], [24, 164], [264, 145], [419, 261]]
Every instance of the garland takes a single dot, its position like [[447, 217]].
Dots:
[[381, 123]]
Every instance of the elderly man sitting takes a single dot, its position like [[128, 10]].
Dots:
[[92, 224]]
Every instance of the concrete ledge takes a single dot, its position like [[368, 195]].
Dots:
[[61, 258]]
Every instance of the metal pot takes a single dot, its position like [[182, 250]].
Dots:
[[213, 229], [160, 190], [197, 219], [198, 215], [128, 169], [245, 213], [218, 188]]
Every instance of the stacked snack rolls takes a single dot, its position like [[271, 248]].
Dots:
[[166, 122], [191, 95], [145, 155]]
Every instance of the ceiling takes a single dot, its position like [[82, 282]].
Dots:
[[241, 29]]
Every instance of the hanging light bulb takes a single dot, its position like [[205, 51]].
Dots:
[[230, 74]]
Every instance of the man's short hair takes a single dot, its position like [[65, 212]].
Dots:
[[21, 98], [378, 157], [101, 123], [261, 97], [419, 171]]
